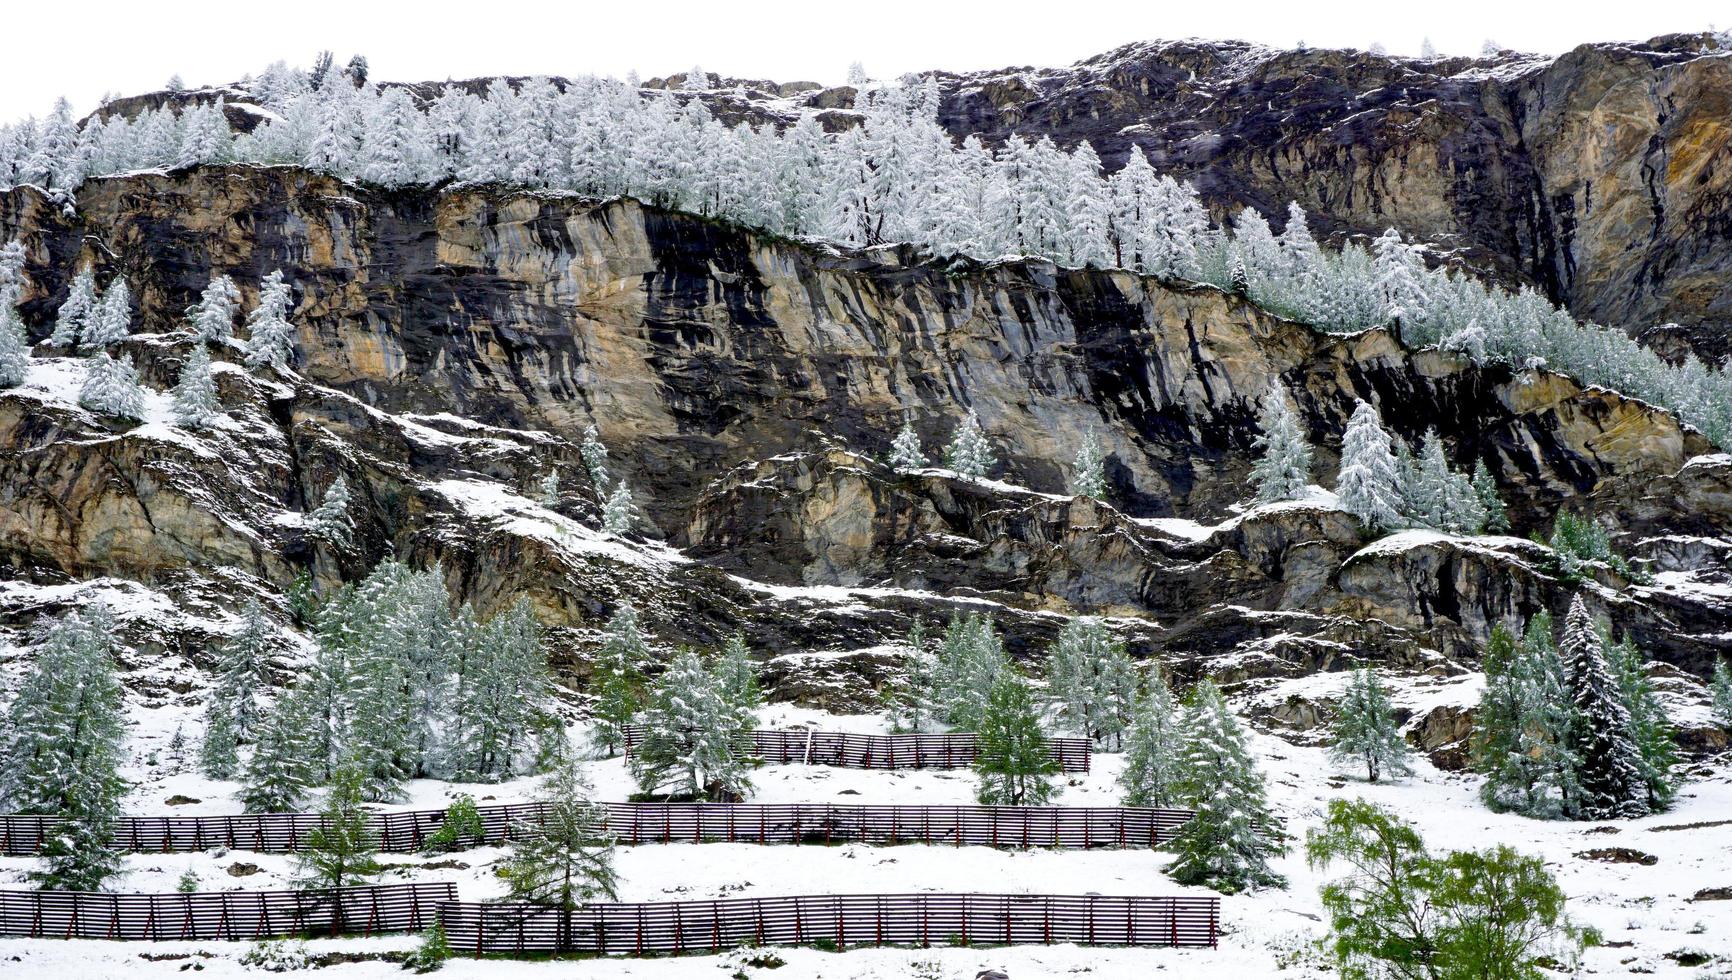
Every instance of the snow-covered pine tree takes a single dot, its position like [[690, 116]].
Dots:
[[696, 80], [562, 859], [1720, 694], [916, 705], [330, 522], [195, 395], [1429, 491], [1092, 682], [906, 455], [1153, 752], [1603, 740], [692, 746], [1088, 470], [213, 316], [1522, 722], [278, 775], [1368, 483], [1365, 732], [1485, 489], [14, 344], [242, 668], [270, 335], [969, 453], [219, 749], [111, 322], [969, 660], [547, 489], [737, 674], [1283, 470], [619, 513], [594, 459], [1656, 748], [620, 663], [1229, 842], [111, 387], [60, 747], [76, 314], [1014, 759], [341, 850]]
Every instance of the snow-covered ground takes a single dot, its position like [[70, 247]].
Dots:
[[1645, 912]]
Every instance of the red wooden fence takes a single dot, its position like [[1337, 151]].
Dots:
[[236, 915], [917, 919], [646, 823], [853, 751]]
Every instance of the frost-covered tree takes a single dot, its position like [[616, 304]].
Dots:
[[1283, 467], [1653, 731], [278, 775], [1490, 503], [270, 336], [111, 387], [1720, 693], [916, 705], [1014, 759], [970, 658], [330, 522], [1088, 470], [1153, 750], [1092, 682], [1427, 50], [80, 309], [1368, 483], [692, 745], [341, 850], [1365, 732], [1522, 724], [1603, 738], [60, 750], [857, 74], [594, 459], [619, 514], [111, 323], [696, 80], [562, 859], [219, 749], [547, 488], [737, 674], [213, 316], [1229, 842], [505, 724], [969, 453], [906, 454], [195, 394], [619, 689], [14, 344]]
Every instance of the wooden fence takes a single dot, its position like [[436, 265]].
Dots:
[[917, 919], [853, 751], [646, 823], [222, 915]]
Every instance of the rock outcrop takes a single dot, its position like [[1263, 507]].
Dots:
[[455, 344]]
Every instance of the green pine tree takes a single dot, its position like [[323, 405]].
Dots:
[[693, 745], [1014, 758], [563, 859], [1653, 730], [619, 690], [737, 674], [1603, 739], [1092, 682], [915, 705], [970, 658], [1152, 773], [340, 851], [279, 774], [1365, 733], [461, 827], [1720, 693], [1228, 844]]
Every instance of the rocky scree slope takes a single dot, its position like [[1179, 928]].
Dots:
[[454, 344]]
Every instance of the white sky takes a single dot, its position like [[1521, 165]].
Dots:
[[85, 49]]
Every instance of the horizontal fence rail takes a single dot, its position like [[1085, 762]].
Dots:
[[237, 915], [841, 920], [854, 751], [648, 823]]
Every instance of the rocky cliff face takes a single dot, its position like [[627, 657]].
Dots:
[[453, 345]]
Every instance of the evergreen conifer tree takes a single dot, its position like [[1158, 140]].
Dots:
[[1657, 750], [111, 387], [1521, 728], [195, 396], [14, 344], [1368, 484], [620, 686], [213, 316], [620, 512], [111, 322], [1092, 682], [969, 453], [1014, 759], [970, 658], [562, 859], [1284, 469], [1365, 732], [917, 704], [330, 522], [692, 745], [1490, 503], [242, 667], [78, 311], [270, 335], [1152, 772], [219, 750], [594, 459], [1088, 472], [1720, 694], [1603, 738], [906, 455], [278, 775], [548, 488], [341, 851], [1229, 842], [737, 674]]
